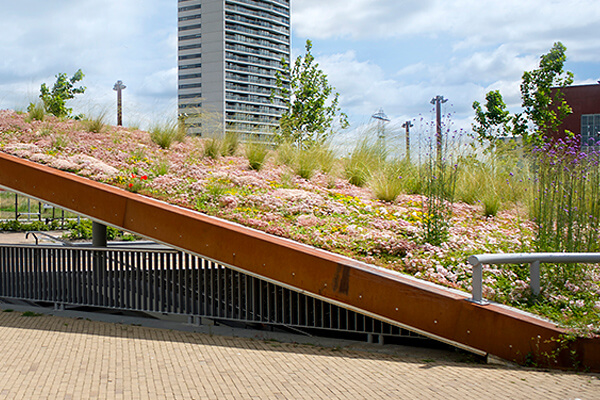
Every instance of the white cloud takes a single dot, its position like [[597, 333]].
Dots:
[[388, 53], [472, 23]]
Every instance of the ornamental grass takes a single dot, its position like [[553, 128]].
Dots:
[[337, 210]]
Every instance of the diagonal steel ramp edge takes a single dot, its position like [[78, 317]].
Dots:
[[426, 308]]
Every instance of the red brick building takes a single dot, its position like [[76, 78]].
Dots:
[[585, 119]]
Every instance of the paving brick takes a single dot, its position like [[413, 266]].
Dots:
[[61, 358]]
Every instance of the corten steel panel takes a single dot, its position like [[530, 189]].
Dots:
[[492, 329]]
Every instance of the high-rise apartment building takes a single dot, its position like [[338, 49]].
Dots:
[[229, 52]]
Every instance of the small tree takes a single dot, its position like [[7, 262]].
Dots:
[[493, 122], [545, 108], [312, 104], [54, 100]]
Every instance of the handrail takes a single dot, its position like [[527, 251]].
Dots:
[[533, 259], [35, 233], [88, 247]]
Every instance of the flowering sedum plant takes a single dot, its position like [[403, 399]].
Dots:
[[325, 211]]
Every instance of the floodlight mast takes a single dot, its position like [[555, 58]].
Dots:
[[119, 87], [381, 120]]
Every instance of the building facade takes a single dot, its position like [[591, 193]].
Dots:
[[229, 52], [584, 121]]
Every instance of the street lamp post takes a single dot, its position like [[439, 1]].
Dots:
[[407, 125], [119, 87], [438, 101]]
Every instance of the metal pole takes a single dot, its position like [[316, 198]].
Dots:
[[98, 235], [534, 277], [119, 88], [477, 287], [407, 125], [438, 101]]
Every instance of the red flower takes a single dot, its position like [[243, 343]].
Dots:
[[131, 185], [132, 175], [144, 177]]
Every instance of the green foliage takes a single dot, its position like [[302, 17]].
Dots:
[[312, 105], [35, 112], [16, 226], [96, 124], [212, 148], [543, 107], [286, 153], [31, 314], [165, 134], [493, 122], [387, 183], [230, 143], [566, 206], [161, 167], [256, 152], [543, 104], [325, 158], [364, 159], [83, 231], [440, 186], [306, 163], [55, 99], [491, 204]]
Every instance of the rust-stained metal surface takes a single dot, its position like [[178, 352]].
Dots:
[[505, 333]]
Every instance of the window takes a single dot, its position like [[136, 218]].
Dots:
[[590, 130], [188, 8]]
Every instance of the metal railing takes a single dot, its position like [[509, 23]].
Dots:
[[16, 207], [533, 259], [168, 281]]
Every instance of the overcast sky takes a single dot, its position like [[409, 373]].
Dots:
[[390, 54]]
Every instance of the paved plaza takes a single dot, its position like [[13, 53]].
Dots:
[[74, 355], [55, 357]]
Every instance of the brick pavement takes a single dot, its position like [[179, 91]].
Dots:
[[53, 357]]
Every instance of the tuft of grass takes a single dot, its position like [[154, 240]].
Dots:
[[161, 167], [364, 159], [286, 154], [230, 144], [386, 183], [491, 204], [325, 157], [256, 153], [36, 112], [60, 141], [96, 124], [306, 163], [31, 314], [165, 134], [212, 148]]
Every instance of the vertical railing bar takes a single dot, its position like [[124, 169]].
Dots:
[[206, 285], [211, 273], [195, 285], [76, 278], [222, 292], [141, 274], [477, 290], [162, 285], [534, 277], [138, 280], [246, 297]]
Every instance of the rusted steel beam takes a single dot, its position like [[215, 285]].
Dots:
[[393, 297]]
